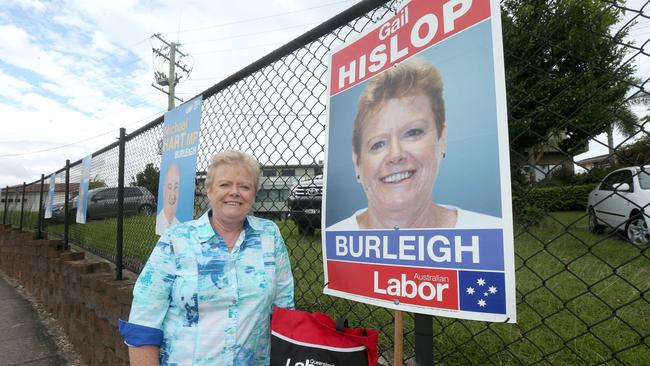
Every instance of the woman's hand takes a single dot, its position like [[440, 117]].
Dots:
[[144, 356]]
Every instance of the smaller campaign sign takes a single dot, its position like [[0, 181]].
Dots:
[[49, 199], [180, 145], [82, 199]]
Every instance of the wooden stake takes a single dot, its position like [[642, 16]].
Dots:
[[398, 348]]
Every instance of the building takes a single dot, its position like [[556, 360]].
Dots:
[[597, 162], [13, 196], [275, 185], [549, 158]]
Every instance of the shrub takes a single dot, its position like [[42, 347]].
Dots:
[[562, 198], [525, 210]]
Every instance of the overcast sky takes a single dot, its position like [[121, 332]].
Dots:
[[74, 71]]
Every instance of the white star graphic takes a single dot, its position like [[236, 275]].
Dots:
[[492, 290], [480, 282], [470, 290], [482, 303], [485, 294]]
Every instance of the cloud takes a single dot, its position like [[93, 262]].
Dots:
[[32, 5], [13, 87], [74, 69]]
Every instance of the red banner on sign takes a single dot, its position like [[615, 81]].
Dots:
[[415, 27], [430, 287]]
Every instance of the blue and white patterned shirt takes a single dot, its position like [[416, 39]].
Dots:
[[204, 305]]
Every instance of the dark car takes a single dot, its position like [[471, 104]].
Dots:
[[102, 202], [305, 202]]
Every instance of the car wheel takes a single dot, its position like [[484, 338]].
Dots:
[[637, 230], [594, 226], [145, 210]]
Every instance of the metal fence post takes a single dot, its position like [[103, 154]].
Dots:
[[423, 340], [22, 207], [120, 206], [6, 212], [39, 223], [66, 222]]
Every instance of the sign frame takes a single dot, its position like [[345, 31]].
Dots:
[[460, 24]]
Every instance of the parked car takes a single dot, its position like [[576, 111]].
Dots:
[[102, 202], [305, 202], [619, 202]]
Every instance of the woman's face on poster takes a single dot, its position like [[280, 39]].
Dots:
[[400, 153]]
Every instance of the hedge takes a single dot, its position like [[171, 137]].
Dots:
[[564, 198]]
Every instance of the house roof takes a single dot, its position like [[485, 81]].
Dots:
[[594, 159], [36, 188]]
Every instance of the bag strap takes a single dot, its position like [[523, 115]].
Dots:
[[341, 323]]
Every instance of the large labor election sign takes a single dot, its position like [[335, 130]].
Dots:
[[417, 205]]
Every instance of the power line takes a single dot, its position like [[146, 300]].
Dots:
[[76, 142], [252, 34], [260, 18], [241, 48]]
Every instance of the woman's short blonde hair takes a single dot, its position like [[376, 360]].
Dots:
[[233, 158], [412, 77]]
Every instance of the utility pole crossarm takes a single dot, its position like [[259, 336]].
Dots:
[[157, 35], [157, 52], [166, 92]]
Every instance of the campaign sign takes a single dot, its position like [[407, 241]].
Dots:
[[180, 144], [82, 199], [417, 209], [49, 199]]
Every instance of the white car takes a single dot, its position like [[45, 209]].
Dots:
[[620, 201]]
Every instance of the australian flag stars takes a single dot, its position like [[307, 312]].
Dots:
[[482, 292]]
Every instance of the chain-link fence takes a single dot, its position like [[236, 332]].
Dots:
[[575, 71]]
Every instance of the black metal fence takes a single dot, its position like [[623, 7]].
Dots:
[[574, 69]]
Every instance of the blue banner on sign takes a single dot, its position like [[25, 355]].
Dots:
[[483, 292], [452, 248]]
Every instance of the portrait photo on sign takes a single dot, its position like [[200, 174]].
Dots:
[[417, 144]]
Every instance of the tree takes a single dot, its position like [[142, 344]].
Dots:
[[147, 178], [565, 73], [96, 183], [627, 123], [637, 152]]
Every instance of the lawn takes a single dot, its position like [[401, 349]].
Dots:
[[581, 298]]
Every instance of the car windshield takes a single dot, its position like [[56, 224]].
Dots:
[[644, 179]]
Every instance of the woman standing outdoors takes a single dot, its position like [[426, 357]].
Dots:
[[206, 293]]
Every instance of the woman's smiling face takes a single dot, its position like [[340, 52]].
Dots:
[[400, 154], [232, 193]]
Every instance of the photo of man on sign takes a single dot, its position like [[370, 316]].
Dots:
[[399, 140], [170, 188]]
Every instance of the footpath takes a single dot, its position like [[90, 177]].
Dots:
[[24, 339]]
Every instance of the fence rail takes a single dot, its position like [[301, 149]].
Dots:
[[582, 298]]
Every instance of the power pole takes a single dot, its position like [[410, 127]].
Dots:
[[168, 53]]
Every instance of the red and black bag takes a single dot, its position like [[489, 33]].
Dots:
[[300, 338]]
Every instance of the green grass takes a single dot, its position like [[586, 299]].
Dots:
[[581, 298], [13, 219], [100, 237]]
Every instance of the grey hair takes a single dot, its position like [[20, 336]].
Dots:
[[233, 158]]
